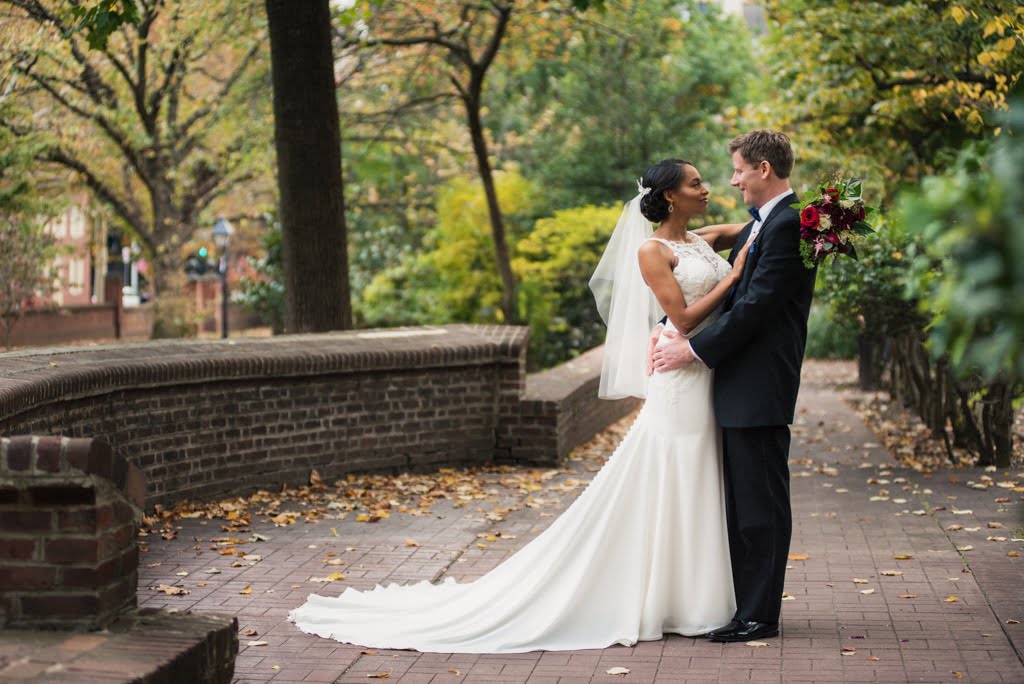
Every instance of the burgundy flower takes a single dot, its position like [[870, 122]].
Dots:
[[809, 216]]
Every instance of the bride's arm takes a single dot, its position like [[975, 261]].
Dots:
[[656, 267], [720, 235]]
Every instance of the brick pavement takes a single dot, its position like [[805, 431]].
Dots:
[[857, 613]]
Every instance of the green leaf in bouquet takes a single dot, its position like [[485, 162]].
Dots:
[[862, 228]]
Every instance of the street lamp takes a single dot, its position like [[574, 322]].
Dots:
[[222, 232]]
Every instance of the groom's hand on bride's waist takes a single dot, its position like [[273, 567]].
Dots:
[[673, 353], [651, 343]]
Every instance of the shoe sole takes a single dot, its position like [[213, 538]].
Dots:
[[734, 640]]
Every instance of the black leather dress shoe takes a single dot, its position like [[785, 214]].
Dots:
[[731, 627], [744, 630]]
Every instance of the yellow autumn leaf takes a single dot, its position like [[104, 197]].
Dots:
[[951, 599], [959, 14], [247, 590], [903, 556], [798, 557]]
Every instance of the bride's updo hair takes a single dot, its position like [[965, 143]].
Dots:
[[665, 175]]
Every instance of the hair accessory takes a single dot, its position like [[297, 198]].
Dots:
[[640, 187]]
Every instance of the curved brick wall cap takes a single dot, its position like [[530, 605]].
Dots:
[[35, 377]]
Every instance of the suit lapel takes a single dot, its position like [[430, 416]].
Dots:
[[776, 210], [748, 268], [741, 240]]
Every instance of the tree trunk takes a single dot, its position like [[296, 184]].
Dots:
[[307, 138], [869, 360], [508, 279], [999, 421]]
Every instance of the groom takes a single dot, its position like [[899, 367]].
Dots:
[[756, 349]]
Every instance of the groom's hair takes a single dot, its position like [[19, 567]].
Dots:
[[764, 145]]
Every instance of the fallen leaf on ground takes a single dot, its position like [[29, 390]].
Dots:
[[1013, 554], [200, 584], [951, 599], [213, 571], [172, 591], [955, 528], [798, 557], [379, 675], [965, 511], [786, 596], [847, 651], [455, 672], [247, 590], [249, 632], [618, 671], [183, 573], [907, 596], [867, 591], [411, 542], [965, 548], [890, 573], [368, 651], [996, 526], [1013, 622], [757, 644], [858, 580], [256, 643], [903, 556], [874, 658]]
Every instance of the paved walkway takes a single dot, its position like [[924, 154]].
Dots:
[[893, 577]]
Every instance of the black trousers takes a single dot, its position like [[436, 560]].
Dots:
[[760, 521]]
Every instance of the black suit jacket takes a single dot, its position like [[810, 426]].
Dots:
[[757, 346]]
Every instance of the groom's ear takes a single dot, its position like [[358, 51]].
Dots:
[[765, 167]]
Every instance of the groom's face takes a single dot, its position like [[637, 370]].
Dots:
[[750, 180]]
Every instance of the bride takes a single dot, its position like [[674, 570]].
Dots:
[[643, 551]]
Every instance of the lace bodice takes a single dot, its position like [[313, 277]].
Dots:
[[698, 270]]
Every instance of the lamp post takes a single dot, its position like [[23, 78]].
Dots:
[[222, 232]]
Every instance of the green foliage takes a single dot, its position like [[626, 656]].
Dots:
[[969, 271], [831, 336], [871, 288], [264, 294], [893, 87], [554, 265], [650, 80], [27, 258], [102, 19], [455, 278]]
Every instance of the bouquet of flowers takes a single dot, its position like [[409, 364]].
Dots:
[[831, 223]]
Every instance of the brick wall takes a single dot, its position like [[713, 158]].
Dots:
[[207, 418], [560, 410], [68, 557]]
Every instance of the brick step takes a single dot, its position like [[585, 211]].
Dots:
[[152, 646]]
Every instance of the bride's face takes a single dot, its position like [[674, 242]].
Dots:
[[691, 196]]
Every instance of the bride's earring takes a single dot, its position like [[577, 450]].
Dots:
[[671, 208]]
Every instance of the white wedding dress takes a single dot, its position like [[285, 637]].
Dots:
[[642, 552]]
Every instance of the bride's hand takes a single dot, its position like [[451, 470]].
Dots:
[[741, 259]]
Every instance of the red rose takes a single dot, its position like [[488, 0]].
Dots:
[[861, 213], [833, 192], [809, 216]]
